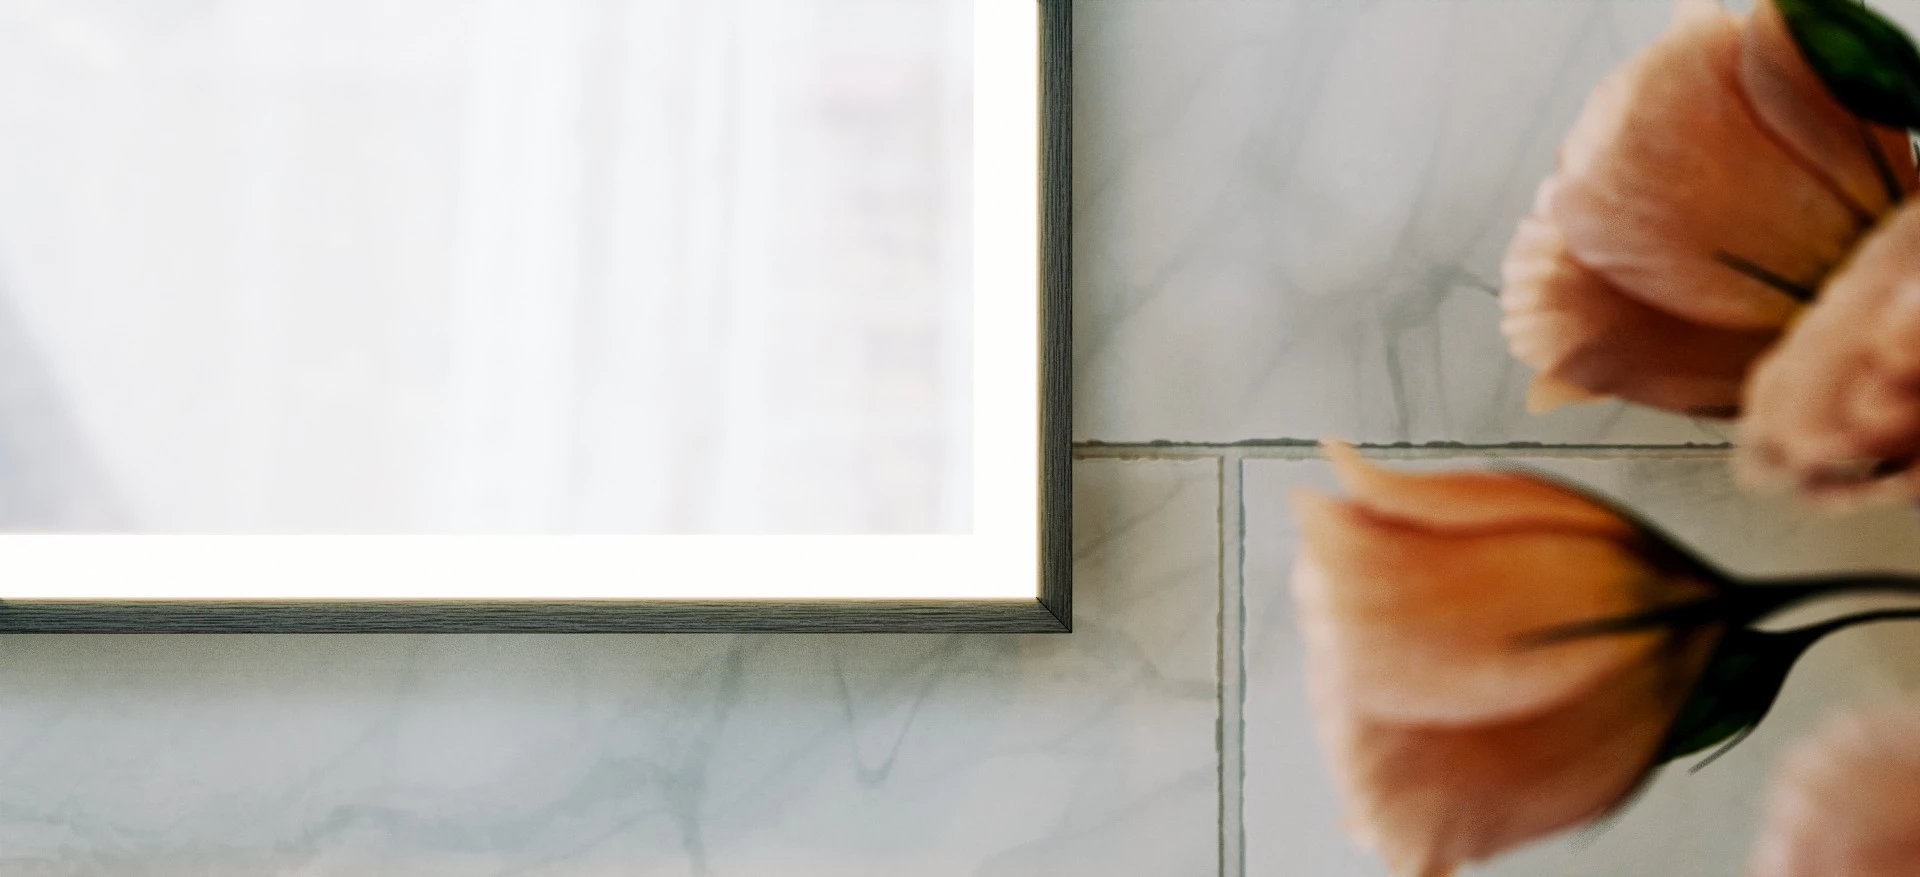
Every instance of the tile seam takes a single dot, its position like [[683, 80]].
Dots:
[[1307, 452], [1231, 662], [1233, 676]]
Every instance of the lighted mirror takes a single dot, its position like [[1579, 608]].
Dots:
[[533, 315]]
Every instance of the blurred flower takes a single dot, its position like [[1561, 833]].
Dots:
[[1454, 737], [1707, 188], [1834, 410], [1843, 803]]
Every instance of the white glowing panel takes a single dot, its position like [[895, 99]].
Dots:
[[574, 298]]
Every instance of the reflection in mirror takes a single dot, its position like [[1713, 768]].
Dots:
[[633, 266]]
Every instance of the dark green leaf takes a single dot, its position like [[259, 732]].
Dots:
[[1866, 61], [1743, 677], [1735, 690]]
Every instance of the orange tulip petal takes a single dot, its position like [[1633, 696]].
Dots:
[[1548, 393], [1870, 165], [1468, 502], [1429, 798], [1423, 626], [1844, 801], [1568, 323], [1668, 185]]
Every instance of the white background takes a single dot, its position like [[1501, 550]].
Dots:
[[573, 266]]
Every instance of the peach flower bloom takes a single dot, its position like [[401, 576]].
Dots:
[[1707, 188], [1845, 802], [1453, 739], [1834, 410], [1450, 735]]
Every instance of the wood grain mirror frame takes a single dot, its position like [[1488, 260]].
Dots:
[[1049, 610]]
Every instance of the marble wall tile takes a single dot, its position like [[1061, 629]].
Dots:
[[1290, 214], [1696, 824], [731, 756]]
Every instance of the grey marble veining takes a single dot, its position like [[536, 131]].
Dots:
[[1289, 214], [730, 756], [1699, 824]]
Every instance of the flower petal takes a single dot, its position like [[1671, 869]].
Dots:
[[1430, 627], [1468, 502], [1548, 393], [1842, 389], [1670, 189], [1430, 797], [1568, 323], [1843, 801]]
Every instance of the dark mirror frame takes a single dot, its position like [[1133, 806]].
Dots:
[[1050, 612]]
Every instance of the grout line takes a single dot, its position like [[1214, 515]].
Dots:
[[1232, 667], [1445, 445], [1172, 451]]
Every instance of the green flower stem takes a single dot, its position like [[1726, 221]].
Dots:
[[1815, 632], [1758, 599], [1740, 682]]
